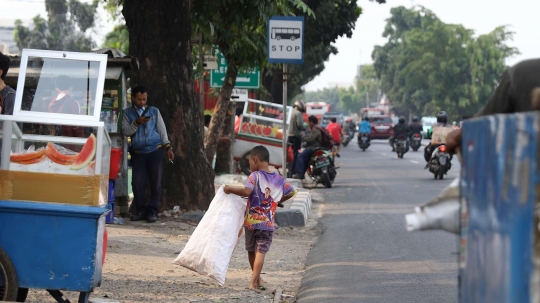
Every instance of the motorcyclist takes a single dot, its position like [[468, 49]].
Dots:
[[415, 126], [400, 129], [313, 140], [365, 127], [295, 130], [442, 119]]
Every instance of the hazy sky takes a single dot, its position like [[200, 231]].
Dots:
[[482, 16]]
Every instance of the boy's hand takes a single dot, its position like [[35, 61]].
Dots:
[[227, 189]]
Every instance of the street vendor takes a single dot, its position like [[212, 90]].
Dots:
[[7, 94], [149, 142]]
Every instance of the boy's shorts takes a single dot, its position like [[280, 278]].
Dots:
[[258, 240], [337, 144]]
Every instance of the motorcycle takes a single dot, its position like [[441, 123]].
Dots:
[[363, 141], [401, 146], [416, 142], [440, 164], [346, 139], [321, 168]]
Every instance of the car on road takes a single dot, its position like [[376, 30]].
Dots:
[[427, 124], [382, 127], [327, 116]]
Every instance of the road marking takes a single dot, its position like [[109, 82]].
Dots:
[[415, 162]]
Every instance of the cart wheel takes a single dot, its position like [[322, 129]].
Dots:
[[244, 164], [9, 286]]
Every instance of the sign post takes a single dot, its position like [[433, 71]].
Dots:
[[285, 45]]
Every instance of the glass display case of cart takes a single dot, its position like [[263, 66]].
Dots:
[[54, 148], [263, 120]]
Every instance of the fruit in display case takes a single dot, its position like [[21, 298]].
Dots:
[[245, 127], [86, 155], [58, 157], [253, 128], [267, 131], [258, 130], [29, 157]]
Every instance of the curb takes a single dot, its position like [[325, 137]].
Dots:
[[295, 212]]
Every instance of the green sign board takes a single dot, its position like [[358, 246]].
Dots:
[[248, 80]]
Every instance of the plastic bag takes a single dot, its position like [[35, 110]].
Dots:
[[209, 249], [442, 212]]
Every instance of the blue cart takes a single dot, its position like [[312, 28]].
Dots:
[[50, 246], [500, 228]]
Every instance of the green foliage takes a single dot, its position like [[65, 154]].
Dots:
[[65, 28], [328, 95], [428, 65], [118, 39]]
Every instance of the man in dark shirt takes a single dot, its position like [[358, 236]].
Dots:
[[415, 126], [513, 94], [400, 129], [7, 93]]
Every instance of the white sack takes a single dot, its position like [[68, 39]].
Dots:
[[209, 249], [442, 212]]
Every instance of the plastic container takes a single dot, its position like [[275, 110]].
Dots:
[[116, 158], [111, 196]]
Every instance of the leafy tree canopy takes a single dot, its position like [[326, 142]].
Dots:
[[65, 29], [428, 65]]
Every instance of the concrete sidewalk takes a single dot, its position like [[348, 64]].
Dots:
[[295, 211]]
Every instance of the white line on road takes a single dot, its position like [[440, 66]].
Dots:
[[415, 162]]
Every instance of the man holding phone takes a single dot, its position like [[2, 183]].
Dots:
[[149, 141]]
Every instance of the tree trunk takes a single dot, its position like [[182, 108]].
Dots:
[[220, 111], [160, 37], [224, 148]]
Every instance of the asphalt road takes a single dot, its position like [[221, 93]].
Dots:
[[365, 253]]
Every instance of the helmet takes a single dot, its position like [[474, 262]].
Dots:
[[415, 119], [300, 105], [442, 117], [401, 120]]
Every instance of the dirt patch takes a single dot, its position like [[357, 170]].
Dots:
[[138, 266]]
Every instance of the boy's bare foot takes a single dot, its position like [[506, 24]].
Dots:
[[255, 289], [260, 282]]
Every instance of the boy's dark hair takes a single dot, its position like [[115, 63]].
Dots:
[[5, 62], [260, 152], [63, 82], [333, 120], [138, 89], [313, 119], [207, 119]]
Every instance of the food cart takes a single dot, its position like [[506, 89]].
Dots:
[[115, 98], [261, 124], [500, 209], [54, 173]]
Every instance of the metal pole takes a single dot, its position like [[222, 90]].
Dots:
[[284, 120], [231, 165]]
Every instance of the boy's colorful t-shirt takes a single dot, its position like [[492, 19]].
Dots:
[[267, 191]]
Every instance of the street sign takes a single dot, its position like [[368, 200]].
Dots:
[[286, 39], [248, 80], [210, 62], [240, 94]]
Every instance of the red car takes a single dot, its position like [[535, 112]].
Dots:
[[382, 127]]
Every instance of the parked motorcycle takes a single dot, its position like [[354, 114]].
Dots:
[[439, 164], [416, 142], [363, 141], [401, 146], [321, 168]]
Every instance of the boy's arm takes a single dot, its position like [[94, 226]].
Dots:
[[239, 191], [287, 197]]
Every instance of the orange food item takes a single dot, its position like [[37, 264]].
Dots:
[[17, 158], [31, 161], [58, 157]]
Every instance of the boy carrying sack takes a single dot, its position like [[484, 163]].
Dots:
[[265, 190]]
